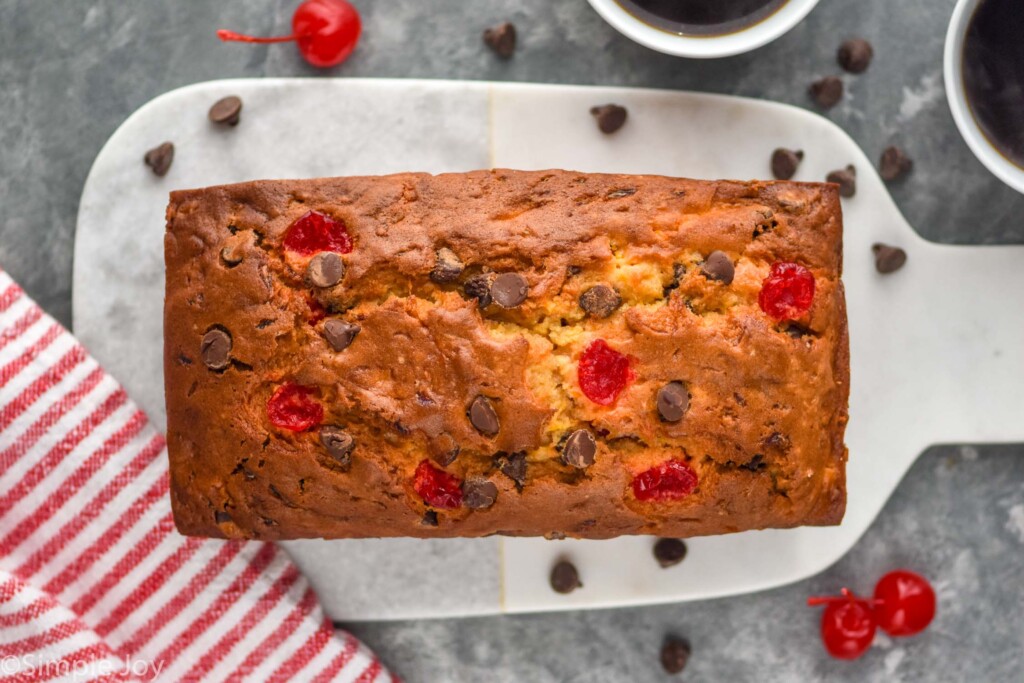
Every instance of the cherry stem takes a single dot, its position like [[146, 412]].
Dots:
[[231, 36], [847, 595]]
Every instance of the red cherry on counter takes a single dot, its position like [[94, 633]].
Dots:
[[904, 603], [847, 625], [326, 32]]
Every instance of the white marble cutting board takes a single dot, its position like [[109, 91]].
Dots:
[[937, 348]]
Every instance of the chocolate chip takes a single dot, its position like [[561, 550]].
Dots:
[[501, 39], [479, 287], [429, 518], [325, 269], [894, 163], [827, 91], [675, 653], [756, 464], [226, 110], [785, 162], [846, 179], [339, 444], [669, 551], [509, 290], [778, 440], [479, 494], [888, 259], [340, 334], [216, 349], [718, 266], [678, 273], [609, 117], [600, 301], [855, 55], [483, 417], [673, 402], [514, 467], [159, 158], [447, 266], [580, 449], [221, 517], [565, 578]]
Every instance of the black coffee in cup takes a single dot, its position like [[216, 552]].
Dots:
[[701, 17], [993, 72]]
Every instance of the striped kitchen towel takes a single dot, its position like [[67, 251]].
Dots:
[[95, 583]]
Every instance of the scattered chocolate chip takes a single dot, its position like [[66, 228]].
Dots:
[[479, 494], [609, 117], [894, 163], [675, 653], [580, 449], [429, 518], [447, 266], [325, 269], [785, 162], [855, 55], [501, 39], [221, 517], [718, 266], [673, 402], [846, 179], [340, 334], [483, 417], [509, 290], [227, 110], [339, 444], [796, 331], [600, 301], [479, 287], [619, 194], [216, 349], [827, 91], [669, 551], [159, 158], [565, 578], [514, 467], [888, 259]]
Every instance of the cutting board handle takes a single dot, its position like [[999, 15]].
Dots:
[[973, 305]]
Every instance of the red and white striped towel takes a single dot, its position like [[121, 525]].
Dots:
[[95, 583]]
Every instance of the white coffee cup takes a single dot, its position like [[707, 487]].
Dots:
[[744, 40], [956, 93]]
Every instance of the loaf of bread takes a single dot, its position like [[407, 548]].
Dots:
[[503, 352]]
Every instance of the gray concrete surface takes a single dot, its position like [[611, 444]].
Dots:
[[72, 70]]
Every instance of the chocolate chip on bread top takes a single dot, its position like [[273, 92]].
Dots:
[[525, 353]]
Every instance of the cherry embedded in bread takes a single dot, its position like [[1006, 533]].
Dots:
[[293, 407], [436, 487], [904, 603], [326, 32], [670, 480], [788, 291], [603, 373], [314, 232]]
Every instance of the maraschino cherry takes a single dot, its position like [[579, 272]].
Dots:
[[326, 32], [847, 625], [904, 603]]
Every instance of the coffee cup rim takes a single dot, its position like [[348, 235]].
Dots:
[[956, 95], [704, 47]]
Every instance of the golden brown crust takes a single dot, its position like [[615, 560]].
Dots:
[[768, 402]]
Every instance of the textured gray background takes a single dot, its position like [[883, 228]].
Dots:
[[72, 70]]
